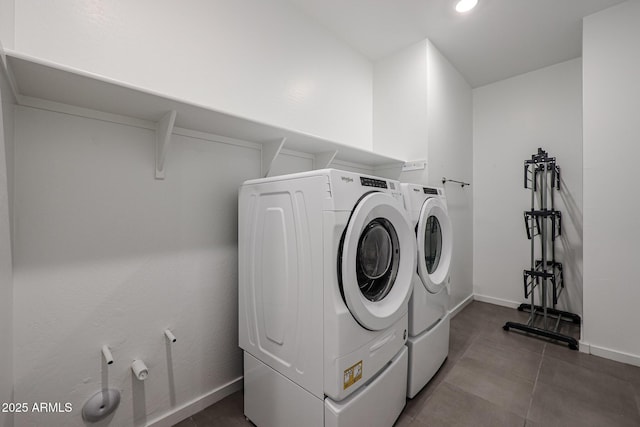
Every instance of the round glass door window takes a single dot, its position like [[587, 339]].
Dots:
[[432, 244], [377, 259]]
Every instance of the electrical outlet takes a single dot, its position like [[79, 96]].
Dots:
[[414, 165]]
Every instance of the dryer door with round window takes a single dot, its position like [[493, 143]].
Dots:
[[377, 261], [435, 243]]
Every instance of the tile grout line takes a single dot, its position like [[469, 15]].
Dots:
[[471, 342], [535, 382]]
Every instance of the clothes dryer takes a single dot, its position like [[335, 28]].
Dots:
[[428, 341], [326, 260]]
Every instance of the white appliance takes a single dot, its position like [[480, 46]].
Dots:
[[326, 260], [428, 341]]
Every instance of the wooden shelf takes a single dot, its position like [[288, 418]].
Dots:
[[36, 78]]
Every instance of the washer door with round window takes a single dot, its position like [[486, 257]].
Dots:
[[435, 243], [377, 261]]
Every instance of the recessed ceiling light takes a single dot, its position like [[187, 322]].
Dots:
[[466, 5]]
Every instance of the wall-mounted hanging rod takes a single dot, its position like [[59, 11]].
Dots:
[[462, 184]]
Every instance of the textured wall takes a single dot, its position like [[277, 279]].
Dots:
[[512, 118], [450, 148], [611, 55], [7, 23], [423, 111], [6, 279], [400, 104], [106, 254], [258, 59]]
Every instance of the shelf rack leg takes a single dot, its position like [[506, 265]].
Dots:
[[572, 342], [534, 175], [543, 241], [567, 316]]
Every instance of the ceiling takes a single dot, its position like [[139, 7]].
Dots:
[[496, 40]]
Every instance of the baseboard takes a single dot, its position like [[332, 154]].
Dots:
[[458, 308], [496, 301], [197, 405], [584, 347], [607, 353]]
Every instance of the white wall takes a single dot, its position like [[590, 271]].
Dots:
[[423, 111], [400, 106], [512, 118], [450, 154], [6, 271], [258, 59], [611, 52], [7, 23], [105, 254]]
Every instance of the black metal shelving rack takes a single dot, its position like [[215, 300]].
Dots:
[[545, 273]]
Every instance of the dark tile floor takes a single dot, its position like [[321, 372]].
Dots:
[[497, 378]]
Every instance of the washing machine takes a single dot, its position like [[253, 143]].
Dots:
[[428, 341], [326, 260]]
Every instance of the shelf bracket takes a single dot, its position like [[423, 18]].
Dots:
[[164, 128], [270, 151], [323, 160]]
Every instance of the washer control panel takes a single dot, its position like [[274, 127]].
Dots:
[[372, 182]]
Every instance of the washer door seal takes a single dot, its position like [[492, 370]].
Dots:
[[378, 259], [435, 245]]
